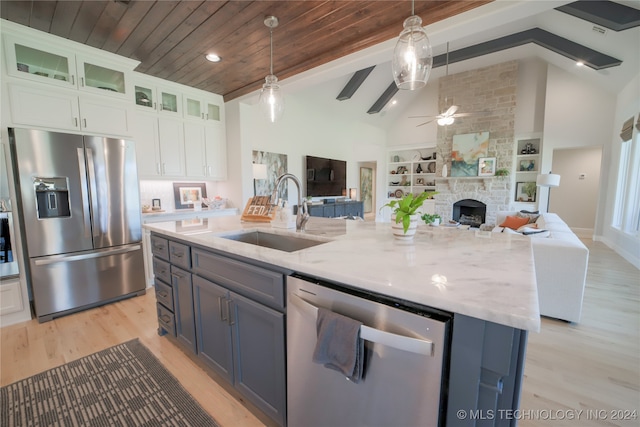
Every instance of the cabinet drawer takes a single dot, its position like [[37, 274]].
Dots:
[[161, 270], [257, 283], [160, 247], [180, 255], [166, 320], [164, 294]]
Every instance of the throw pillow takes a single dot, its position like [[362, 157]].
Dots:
[[531, 216], [514, 222]]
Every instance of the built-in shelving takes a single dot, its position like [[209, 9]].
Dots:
[[411, 171]]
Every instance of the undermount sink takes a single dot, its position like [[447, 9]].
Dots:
[[281, 242]]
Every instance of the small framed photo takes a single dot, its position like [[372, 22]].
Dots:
[[155, 204], [188, 193], [486, 166], [526, 191], [528, 165], [419, 181]]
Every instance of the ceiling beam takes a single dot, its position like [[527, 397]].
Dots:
[[386, 96], [354, 83], [574, 51], [611, 15]]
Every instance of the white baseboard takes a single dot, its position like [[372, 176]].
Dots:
[[633, 259], [584, 233]]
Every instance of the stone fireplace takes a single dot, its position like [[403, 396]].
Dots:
[[485, 89]]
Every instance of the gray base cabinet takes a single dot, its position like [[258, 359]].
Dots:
[[338, 209], [230, 314]]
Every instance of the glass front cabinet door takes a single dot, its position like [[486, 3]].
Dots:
[[150, 98], [197, 108], [97, 78], [51, 66]]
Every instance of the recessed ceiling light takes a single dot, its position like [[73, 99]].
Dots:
[[213, 57], [580, 64]]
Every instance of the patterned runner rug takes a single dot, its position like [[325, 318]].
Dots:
[[124, 385]]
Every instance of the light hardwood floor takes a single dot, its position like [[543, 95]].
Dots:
[[593, 366]]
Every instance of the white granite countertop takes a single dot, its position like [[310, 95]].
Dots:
[[173, 214], [485, 275]]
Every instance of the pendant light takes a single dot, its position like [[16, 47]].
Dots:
[[412, 58], [271, 100]]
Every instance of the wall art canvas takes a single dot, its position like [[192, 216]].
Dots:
[[467, 150], [276, 166], [366, 189]]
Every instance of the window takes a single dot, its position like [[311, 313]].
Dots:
[[626, 213]]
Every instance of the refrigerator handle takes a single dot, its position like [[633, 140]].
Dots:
[[55, 259], [86, 217], [93, 197]]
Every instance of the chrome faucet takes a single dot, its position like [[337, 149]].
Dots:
[[303, 215]]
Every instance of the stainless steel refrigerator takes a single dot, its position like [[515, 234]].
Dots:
[[80, 213]]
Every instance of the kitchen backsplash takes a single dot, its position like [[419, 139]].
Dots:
[[163, 190]]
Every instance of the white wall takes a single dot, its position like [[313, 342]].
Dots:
[[303, 130], [577, 114], [576, 199]]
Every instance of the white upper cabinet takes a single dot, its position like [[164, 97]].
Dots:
[[205, 150], [206, 107], [153, 95], [45, 63], [64, 110]]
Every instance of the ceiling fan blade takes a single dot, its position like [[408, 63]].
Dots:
[[450, 111], [424, 117], [472, 113], [422, 124]]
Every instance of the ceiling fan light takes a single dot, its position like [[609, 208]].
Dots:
[[445, 121], [412, 58], [271, 99]]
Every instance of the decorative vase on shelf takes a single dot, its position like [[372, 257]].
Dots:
[[398, 229], [444, 171]]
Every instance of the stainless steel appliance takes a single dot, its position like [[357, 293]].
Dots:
[[80, 206], [405, 351]]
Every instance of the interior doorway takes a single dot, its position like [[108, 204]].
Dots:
[[576, 199], [367, 188]]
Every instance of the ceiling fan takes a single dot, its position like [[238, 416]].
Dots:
[[448, 117]]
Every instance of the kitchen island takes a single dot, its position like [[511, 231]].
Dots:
[[485, 280]]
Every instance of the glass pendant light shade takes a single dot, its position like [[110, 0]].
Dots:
[[271, 99], [412, 57]]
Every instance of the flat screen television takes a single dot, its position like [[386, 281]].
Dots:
[[326, 177]]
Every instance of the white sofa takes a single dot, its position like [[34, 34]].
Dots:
[[560, 263]]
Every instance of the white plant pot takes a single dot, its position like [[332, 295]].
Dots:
[[436, 222], [398, 229]]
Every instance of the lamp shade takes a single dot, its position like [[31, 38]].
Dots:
[[259, 171], [412, 59], [548, 180]]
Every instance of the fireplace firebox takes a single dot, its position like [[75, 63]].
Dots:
[[469, 212]]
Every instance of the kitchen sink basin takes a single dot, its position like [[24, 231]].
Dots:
[[281, 242]]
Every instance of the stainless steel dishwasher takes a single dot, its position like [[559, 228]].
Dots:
[[405, 352]]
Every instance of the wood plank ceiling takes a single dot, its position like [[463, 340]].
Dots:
[[170, 38]]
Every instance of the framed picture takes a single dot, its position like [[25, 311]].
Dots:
[[419, 181], [188, 193], [526, 191], [467, 149], [366, 189], [155, 204], [528, 165], [486, 166]]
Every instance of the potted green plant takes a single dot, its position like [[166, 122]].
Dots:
[[502, 172], [433, 219], [530, 190], [404, 212]]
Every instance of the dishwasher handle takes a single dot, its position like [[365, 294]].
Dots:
[[400, 342]]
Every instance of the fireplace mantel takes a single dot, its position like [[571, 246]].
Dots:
[[452, 181]]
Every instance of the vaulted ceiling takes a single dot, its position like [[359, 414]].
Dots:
[[171, 38]]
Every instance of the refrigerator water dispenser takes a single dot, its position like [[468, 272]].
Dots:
[[52, 197]]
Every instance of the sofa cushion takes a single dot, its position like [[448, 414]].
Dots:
[[514, 222], [531, 216]]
